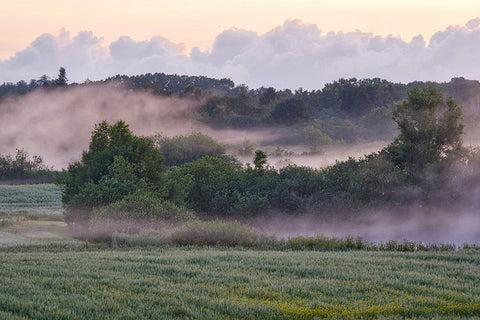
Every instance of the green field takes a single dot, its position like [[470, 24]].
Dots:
[[236, 284], [37, 198]]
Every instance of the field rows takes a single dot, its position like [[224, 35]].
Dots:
[[42, 198], [232, 284]]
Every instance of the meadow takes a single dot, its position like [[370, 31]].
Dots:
[[208, 283]]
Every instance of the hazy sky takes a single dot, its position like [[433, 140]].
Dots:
[[98, 38]]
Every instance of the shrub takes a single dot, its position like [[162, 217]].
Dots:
[[321, 242], [147, 238], [182, 149], [143, 206], [116, 164], [215, 233]]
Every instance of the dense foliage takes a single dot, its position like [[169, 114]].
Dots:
[[21, 167], [124, 174], [118, 168], [182, 149], [424, 161]]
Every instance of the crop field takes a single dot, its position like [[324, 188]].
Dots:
[[200, 283], [36, 198]]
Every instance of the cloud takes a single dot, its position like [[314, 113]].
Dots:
[[295, 54]]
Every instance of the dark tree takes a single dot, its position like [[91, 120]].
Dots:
[[268, 95], [260, 160], [289, 112], [62, 80]]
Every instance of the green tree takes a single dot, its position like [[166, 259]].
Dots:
[[117, 164], [182, 149], [21, 166], [260, 160], [314, 137], [428, 136], [208, 184], [289, 112], [268, 95]]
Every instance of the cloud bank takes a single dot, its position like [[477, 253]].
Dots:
[[293, 55]]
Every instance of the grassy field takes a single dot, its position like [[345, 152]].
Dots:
[[38, 198], [237, 284]]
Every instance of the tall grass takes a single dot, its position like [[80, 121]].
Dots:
[[234, 234]]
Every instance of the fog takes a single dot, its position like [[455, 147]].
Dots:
[[57, 124], [431, 225]]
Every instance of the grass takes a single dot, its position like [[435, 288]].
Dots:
[[38, 198], [192, 283]]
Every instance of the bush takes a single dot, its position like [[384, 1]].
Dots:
[[143, 206], [117, 164], [146, 238], [215, 233], [182, 149], [208, 184], [321, 242]]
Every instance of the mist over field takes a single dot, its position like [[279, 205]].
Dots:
[[416, 223], [57, 124], [154, 153]]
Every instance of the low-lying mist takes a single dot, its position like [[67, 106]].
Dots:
[[56, 124], [432, 225]]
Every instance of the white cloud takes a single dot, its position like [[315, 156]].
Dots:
[[292, 55]]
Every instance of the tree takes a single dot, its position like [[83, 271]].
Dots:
[[427, 136], [62, 80], [268, 95], [289, 112], [117, 164], [182, 149], [260, 160], [21, 166], [208, 184]]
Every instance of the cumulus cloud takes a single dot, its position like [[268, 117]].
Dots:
[[295, 54]]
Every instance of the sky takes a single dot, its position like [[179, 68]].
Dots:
[[280, 43]]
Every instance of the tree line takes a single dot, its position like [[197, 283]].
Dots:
[[123, 176], [343, 111]]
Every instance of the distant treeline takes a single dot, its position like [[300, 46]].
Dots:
[[20, 167], [344, 111]]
